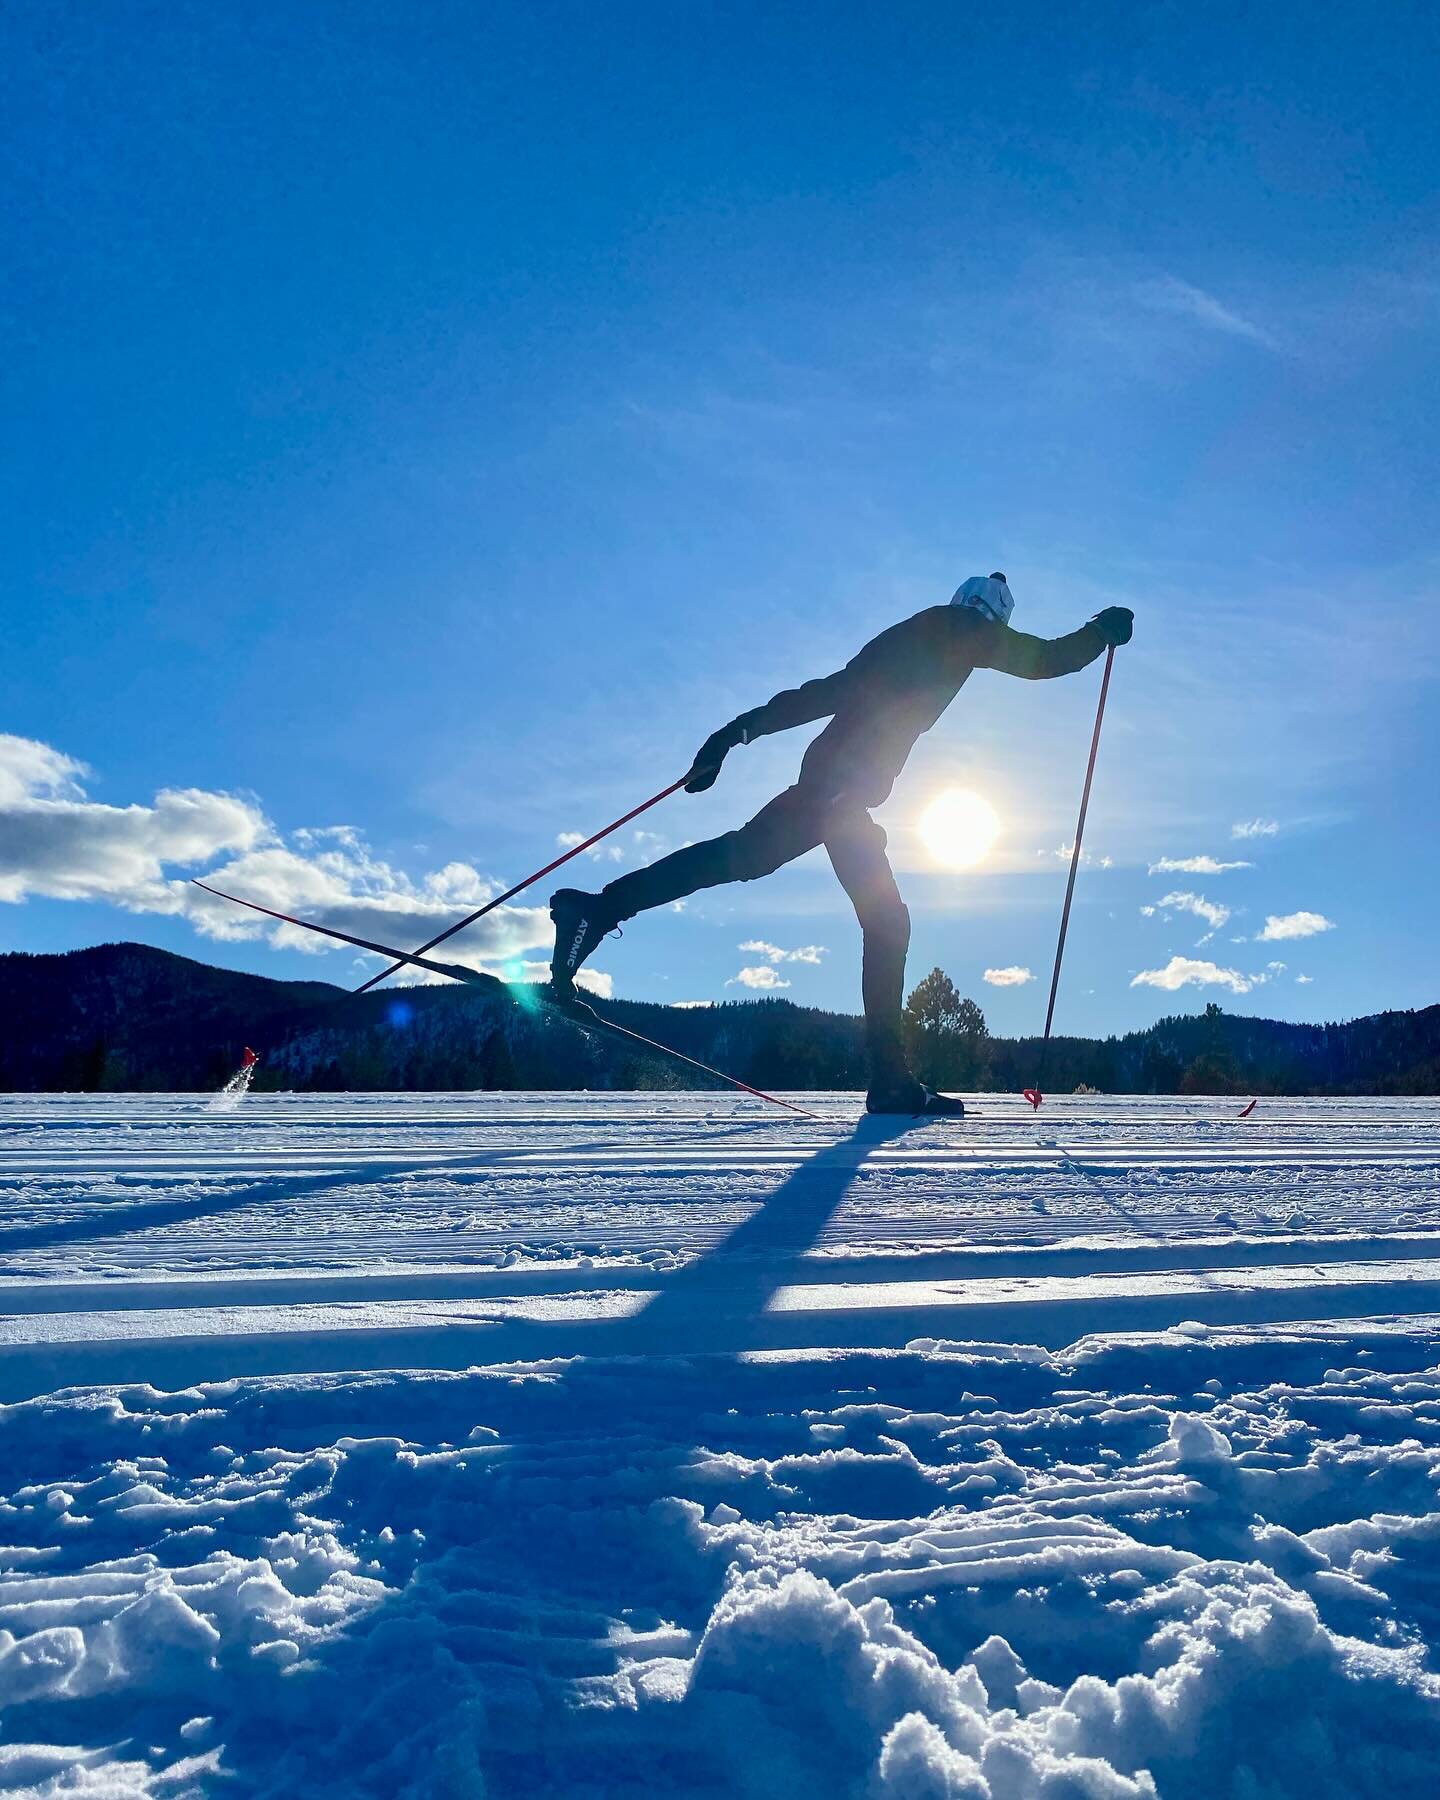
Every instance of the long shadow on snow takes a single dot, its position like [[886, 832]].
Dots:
[[717, 1303], [546, 1544], [535, 1545]]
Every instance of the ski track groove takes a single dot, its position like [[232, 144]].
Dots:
[[283, 1231], [610, 1445]]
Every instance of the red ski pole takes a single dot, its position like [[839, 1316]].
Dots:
[[1033, 1094], [520, 886]]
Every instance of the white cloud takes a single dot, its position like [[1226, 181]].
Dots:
[[773, 953], [1213, 914], [31, 770], [1304, 980], [55, 843], [1255, 828], [1088, 860], [1294, 925], [1014, 976], [1194, 865], [593, 981], [1170, 294], [1186, 971], [763, 978], [308, 836], [572, 840]]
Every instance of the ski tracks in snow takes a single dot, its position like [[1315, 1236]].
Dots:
[[600, 1444]]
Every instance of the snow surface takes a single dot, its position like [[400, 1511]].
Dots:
[[592, 1445]]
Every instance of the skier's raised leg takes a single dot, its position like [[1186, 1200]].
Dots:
[[790, 825]]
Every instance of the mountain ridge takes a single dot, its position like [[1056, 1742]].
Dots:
[[130, 1017]]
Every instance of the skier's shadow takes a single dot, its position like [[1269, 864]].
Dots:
[[733, 1282], [633, 1405]]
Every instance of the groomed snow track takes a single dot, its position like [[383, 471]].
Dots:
[[602, 1444]]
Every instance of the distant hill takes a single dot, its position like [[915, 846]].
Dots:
[[128, 1016], [124, 1016]]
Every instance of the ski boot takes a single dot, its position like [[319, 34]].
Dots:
[[581, 922], [909, 1097]]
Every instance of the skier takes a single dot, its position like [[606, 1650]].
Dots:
[[878, 706]]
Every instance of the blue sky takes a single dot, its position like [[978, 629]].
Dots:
[[422, 428]]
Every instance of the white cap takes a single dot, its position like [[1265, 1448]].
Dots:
[[988, 594]]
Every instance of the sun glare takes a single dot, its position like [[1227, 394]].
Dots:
[[958, 828]]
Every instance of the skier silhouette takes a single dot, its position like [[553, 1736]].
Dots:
[[878, 705]]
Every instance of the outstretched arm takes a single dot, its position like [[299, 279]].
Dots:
[[1041, 659], [795, 706]]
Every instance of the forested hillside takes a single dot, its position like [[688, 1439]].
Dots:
[[126, 1016]]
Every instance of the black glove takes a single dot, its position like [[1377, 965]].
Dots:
[[709, 757], [1116, 624]]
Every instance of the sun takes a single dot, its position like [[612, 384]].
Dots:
[[958, 828]]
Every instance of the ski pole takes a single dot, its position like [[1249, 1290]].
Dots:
[[1033, 1094], [520, 886]]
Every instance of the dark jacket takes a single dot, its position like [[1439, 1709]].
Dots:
[[898, 686]]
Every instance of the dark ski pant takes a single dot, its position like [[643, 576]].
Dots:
[[794, 822]]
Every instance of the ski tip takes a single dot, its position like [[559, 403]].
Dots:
[[1249, 1109]]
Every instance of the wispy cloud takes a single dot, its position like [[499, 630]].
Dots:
[[1014, 976], [1255, 828], [1210, 911], [571, 840], [1168, 293], [774, 953], [762, 978], [1293, 925], [1088, 860], [1187, 971], [1194, 865]]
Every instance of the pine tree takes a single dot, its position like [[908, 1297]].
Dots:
[[945, 1035]]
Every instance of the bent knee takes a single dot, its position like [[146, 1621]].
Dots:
[[887, 919]]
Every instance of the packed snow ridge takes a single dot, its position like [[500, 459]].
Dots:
[[620, 1445]]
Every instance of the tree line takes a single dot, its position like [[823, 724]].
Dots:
[[126, 1016]]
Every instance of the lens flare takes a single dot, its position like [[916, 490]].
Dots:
[[958, 828]]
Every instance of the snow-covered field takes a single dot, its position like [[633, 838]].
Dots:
[[449, 1445]]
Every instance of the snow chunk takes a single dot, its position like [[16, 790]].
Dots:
[[917, 1763], [977, 1350], [1193, 1441]]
